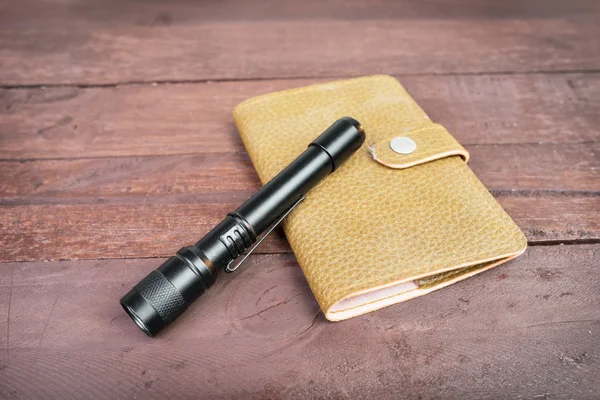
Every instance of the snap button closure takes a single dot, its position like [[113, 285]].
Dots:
[[403, 145]]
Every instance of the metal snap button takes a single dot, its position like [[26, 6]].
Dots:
[[403, 145]]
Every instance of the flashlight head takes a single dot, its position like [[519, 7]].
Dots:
[[163, 295]]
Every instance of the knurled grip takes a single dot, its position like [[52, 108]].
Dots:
[[162, 295]]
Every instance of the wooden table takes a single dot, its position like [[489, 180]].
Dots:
[[117, 146]]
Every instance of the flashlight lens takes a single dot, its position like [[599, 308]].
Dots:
[[136, 319]]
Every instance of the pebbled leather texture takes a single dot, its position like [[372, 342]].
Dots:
[[371, 235]]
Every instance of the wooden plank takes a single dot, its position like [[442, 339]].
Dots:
[[196, 118], [554, 218], [226, 177], [198, 178], [233, 50], [109, 231], [530, 328], [86, 13], [152, 229]]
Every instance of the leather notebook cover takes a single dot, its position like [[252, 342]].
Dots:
[[384, 227]]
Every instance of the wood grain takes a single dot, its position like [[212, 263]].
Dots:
[[555, 218], [104, 164], [233, 50], [529, 328], [93, 13], [196, 118], [138, 206], [150, 229], [143, 206], [228, 177]]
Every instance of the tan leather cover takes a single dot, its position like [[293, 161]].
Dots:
[[384, 227]]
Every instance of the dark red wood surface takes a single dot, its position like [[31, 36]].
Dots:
[[527, 329], [117, 146]]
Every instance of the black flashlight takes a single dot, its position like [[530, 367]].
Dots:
[[163, 295]]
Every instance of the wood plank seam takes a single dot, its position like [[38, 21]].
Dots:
[[165, 82]]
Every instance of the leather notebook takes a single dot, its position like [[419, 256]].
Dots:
[[398, 219]]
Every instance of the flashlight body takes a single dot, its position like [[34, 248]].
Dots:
[[166, 292]]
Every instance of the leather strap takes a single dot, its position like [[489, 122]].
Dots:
[[433, 143]]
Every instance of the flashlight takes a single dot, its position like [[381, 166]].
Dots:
[[163, 295]]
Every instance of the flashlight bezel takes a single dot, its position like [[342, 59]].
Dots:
[[138, 321]]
